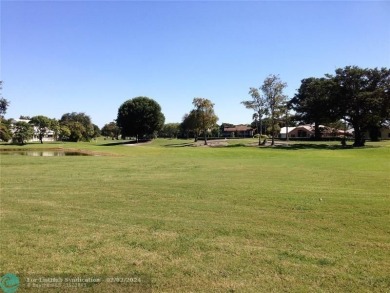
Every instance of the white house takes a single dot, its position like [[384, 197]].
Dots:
[[300, 131], [49, 135], [307, 131]]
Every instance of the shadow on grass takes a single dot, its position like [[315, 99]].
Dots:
[[116, 143], [301, 146], [320, 146], [237, 145], [179, 145], [140, 142]]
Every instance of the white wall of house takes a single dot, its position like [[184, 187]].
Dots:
[[49, 135], [283, 131]]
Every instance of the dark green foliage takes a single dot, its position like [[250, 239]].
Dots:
[[3, 102], [363, 97], [359, 96], [170, 130], [314, 103], [79, 125], [55, 126], [374, 133], [96, 131], [190, 125], [23, 131], [5, 133], [3, 106], [140, 117], [42, 123], [111, 130], [64, 132]]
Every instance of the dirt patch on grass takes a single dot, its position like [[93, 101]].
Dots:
[[212, 143]]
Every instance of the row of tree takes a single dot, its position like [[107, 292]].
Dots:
[[141, 117], [71, 127], [360, 97]]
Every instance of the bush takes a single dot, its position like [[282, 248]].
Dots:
[[263, 136]]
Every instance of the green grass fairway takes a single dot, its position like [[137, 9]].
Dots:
[[304, 218]]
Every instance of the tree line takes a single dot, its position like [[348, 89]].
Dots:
[[357, 96], [354, 95], [361, 97], [71, 127]]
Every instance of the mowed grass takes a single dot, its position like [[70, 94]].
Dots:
[[198, 219]]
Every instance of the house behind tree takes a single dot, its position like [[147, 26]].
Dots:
[[240, 130]]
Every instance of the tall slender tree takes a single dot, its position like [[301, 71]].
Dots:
[[272, 89], [257, 104]]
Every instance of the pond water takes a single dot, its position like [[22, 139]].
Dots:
[[43, 153]]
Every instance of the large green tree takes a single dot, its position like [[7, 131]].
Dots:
[[23, 131], [111, 130], [314, 103], [272, 89], [357, 95], [140, 117], [204, 115], [42, 124], [363, 98], [80, 126]]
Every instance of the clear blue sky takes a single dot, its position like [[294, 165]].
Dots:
[[91, 56]]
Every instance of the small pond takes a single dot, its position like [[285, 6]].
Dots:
[[44, 153]]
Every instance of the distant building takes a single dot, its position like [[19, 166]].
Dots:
[[240, 130], [301, 131], [307, 131], [49, 135]]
